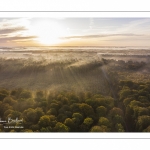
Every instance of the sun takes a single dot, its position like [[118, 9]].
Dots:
[[48, 32]]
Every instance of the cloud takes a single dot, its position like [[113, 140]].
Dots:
[[99, 36], [15, 30], [11, 30], [17, 38]]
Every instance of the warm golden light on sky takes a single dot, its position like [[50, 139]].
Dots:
[[74, 32], [47, 32]]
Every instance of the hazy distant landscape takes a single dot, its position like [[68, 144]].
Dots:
[[66, 68]]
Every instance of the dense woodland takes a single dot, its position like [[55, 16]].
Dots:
[[102, 95]]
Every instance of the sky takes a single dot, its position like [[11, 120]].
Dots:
[[74, 32]]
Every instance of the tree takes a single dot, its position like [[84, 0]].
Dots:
[[9, 100], [87, 110], [135, 103], [2, 96], [4, 107], [39, 94], [119, 127], [124, 93], [77, 115], [75, 107], [4, 91], [109, 102], [64, 108], [15, 93], [101, 111], [118, 119], [39, 113], [44, 121], [115, 111], [24, 104], [60, 127], [97, 100], [139, 111], [77, 118], [14, 114], [96, 129], [52, 111], [61, 117], [54, 105], [33, 115], [142, 123], [35, 127], [82, 97], [88, 121], [126, 101], [143, 99], [7, 112], [101, 128], [25, 95], [29, 115], [86, 125], [70, 123], [47, 129], [104, 121]]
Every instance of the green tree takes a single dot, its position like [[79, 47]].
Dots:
[[47, 129], [139, 111], [115, 111], [25, 94], [86, 125], [118, 119], [126, 101], [101, 128], [87, 110], [96, 129], [142, 123], [104, 121], [9, 100], [2, 96], [30, 115], [52, 111], [44, 121], [14, 114], [101, 111], [119, 127], [4, 107], [70, 123], [124, 93], [75, 107], [88, 121], [60, 127]]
